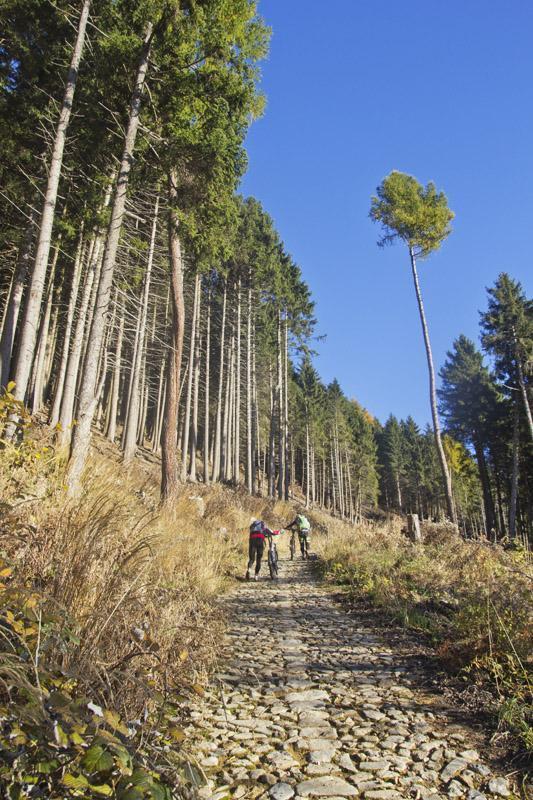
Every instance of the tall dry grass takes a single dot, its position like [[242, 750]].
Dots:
[[139, 586], [472, 598]]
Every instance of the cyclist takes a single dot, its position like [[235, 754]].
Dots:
[[303, 527], [258, 534]]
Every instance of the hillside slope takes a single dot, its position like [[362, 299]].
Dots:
[[113, 619]]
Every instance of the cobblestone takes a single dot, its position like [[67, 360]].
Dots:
[[313, 703]]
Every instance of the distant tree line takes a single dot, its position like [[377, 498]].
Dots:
[[488, 444]]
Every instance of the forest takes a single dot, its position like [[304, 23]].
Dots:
[[159, 390], [143, 297]]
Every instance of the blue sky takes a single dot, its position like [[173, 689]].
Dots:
[[441, 90]]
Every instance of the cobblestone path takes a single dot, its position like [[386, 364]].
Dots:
[[310, 702]]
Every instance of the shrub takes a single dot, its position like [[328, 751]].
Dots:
[[471, 598]]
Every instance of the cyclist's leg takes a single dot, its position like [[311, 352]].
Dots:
[[251, 557], [302, 544], [260, 546]]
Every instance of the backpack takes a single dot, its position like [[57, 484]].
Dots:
[[256, 527], [303, 523]]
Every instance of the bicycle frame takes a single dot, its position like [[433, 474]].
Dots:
[[293, 544], [272, 558]]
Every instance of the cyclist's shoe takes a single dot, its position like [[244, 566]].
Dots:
[[256, 577], [247, 576]]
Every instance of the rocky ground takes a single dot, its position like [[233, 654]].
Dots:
[[311, 702]]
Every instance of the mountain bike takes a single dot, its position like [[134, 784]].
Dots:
[[293, 545], [272, 556]]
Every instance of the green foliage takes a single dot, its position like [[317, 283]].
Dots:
[[417, 215], [468, 393], [517, 715], [507, 328]]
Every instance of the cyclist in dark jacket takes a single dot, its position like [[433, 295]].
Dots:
[[258, 534]]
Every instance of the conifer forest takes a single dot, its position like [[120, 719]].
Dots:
[[142, 296], [222, 575]]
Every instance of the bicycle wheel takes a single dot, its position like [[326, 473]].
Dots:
[[273, 563], [293, 547]]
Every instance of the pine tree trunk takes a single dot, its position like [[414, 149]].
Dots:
[[514, 477], [272, 438], [14, 303], [280, 419], [338, 470], [51, 347], [94, 262], [190, 380], [169, 464], [307, 462], [71, 310], [523, 392], [488, 503], [143, 412], [196, 393], [130, 428], [158, 411], [28, 338], [126, 400], [349, 487], [225, 448], [145, 425], [231, 413], [313, 476], [249, 400], [286, 409], [74, 359], [398, 491], [207, 437], [256, 441], [88, 400], [218, 424], [433, 396], [156, 438], [40, 355], [497, 480], [90, 313], [237, 424], [111, 431]]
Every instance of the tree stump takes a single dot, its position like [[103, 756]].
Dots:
[[413, 528]]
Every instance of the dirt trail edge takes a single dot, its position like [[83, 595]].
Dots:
[[309, 702]]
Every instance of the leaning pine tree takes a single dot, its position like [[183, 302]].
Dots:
[[420, 217]]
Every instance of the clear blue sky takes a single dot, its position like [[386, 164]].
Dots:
[[356, 88]]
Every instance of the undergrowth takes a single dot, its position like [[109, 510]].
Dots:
[[472, 600], [108, 620]]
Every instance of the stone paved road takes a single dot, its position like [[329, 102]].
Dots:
[[309, 703]]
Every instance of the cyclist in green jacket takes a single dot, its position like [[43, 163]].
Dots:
[[302, 525]]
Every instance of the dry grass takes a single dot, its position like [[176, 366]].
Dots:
[[137, 585], [124, 609], [473, 599]]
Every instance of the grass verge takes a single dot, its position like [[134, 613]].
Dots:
[[473, 600]]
